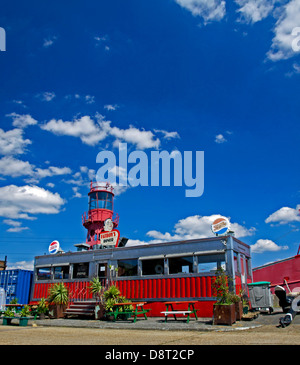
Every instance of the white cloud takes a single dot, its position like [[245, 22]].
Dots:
[[192, 227], [167, 135], [51, 171], [284, 215], [101, 38], [49, 41], [281, 47], [46, 96], [135, 243], [12, 142], [85, 128], [207, 9], [253, 11], [89, 99], [102, 41], [141, 138], [111, 107], [82, 177], [264, 245], [16, 226], [200, 227], [76, 192], [92, 133], [22, 121], [296, 68], [24, 265], [16, 202], [16, 229], [19, 102], [11, 222], [10, 166], [220, 138]]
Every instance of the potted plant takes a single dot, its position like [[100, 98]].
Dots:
[[42, 308], [97, 290], [24, 316], [127, 308], [58, 299], [111, 297], [238, 304], [7, 317], [224, 308]]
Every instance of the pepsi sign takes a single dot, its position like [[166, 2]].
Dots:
[[54, 247], [220, 226]]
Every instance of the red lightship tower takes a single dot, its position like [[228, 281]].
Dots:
[[100, 221]]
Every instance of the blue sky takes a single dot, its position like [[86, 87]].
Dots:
[[215, 76]]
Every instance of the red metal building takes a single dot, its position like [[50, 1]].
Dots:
[[284, 272]]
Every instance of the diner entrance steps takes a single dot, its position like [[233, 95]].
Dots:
[[81, 308]]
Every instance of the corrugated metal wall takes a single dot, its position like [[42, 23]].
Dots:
[[17, 284], [276, 272], [143, 289], [184, 287]]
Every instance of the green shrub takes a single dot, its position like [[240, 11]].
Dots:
[[58, 294]]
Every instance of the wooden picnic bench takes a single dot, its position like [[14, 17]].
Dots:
[[17, 307], [174, 311], [118, 310]]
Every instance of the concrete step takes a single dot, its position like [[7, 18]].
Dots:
[[82, 308]]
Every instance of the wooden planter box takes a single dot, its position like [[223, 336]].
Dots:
[[99, 311], [57, 310], [224, 314], [23, 321], [238, 310], [6, 321]]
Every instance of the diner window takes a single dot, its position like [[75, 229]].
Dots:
[[43, 273], [153, 267], [181, 265], [128, 267], [81, 270], [100, 200], [102, 270], [61, 272], [210, 263]]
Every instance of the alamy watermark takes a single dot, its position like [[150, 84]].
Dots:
[[296, 40], [2, 39], [135, 169]]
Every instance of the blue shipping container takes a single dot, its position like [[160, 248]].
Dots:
[[17, 284]]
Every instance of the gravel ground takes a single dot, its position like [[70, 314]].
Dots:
[[262, 331], [265, 335]]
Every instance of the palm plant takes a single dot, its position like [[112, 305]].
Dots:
[[111, 296], [58, 294], [42, 306], [96, 289], [9, 313], [25, 312], [112, 293]]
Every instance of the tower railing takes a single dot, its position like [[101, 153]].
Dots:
[[97, 215], [95, 186]]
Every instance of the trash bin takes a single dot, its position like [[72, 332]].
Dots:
[[260, 296]]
